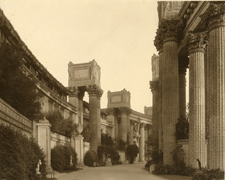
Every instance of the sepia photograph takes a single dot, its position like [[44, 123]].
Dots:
[[112, 90]]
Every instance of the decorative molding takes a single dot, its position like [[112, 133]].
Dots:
[[214, 16], [94, 90], [196, 42]]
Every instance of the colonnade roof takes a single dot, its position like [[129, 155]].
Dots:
[[14, 38]]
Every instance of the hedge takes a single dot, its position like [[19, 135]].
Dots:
[[61, 158], [19, 156]]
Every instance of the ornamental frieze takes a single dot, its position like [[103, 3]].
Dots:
[[214, 16], [196, 41]]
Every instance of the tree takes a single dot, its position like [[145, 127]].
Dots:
[[16, 87]]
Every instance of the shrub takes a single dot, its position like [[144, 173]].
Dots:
[[90, 158], [213, 174], [148, 164], [19, 156], [61, 156], [115, 157], [132, 151]]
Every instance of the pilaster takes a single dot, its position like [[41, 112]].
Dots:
[[197, 145], [214, 17], [44, 141]]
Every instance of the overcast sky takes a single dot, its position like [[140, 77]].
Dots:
[[118, 34]]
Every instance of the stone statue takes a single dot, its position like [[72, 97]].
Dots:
[[71, 160], [38, 167]]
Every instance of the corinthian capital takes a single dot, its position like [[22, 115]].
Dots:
[[94, 90], [125, 110], [214, 15], [170, 30], [154, 86], [196, 42]]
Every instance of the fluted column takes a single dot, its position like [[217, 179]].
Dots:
[[95, 94], [158, 43], [215, 18], [197, 146], [170, 32], [74, 100], [182, 91], [154, 85], [160, 100], [142, 143]]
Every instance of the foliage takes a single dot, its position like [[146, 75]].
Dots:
[[178, 158], [17, 88], [86, 134], [182, 128], [179, 167], [153, 151], [60, 125], [61, 156], [107, 149], [132, 152], [121, 145], [19, 156], [148, 164], [206, 174], [90, 158]]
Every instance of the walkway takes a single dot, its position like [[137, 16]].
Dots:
[[117, 172]]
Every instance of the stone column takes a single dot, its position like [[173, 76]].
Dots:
[[125, 111], [170, 32], [111, 118], [44, 141], [182, 90], [74, 100], [160, 99], [196, 49], [154, 86], [214, 16], [142, 143], [81, 108], [131, 134], [95, 94]]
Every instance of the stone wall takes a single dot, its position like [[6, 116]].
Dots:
[[57, 139], [9, 116]]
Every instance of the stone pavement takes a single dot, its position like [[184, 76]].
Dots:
[[117, 172]]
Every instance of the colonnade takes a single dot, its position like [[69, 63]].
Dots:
[[206, 88]]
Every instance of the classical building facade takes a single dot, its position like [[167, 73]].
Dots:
[[191, 35]]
